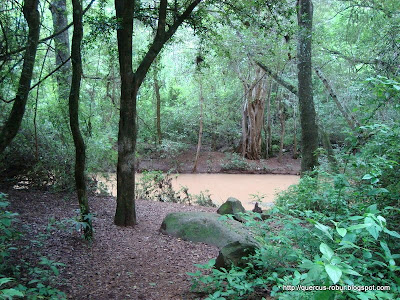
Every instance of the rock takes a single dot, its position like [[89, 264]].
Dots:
[[257, 209], [205, 227], [233, 253], [234, 207], [231, 206]]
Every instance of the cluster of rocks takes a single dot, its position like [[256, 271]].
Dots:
[[231, 236]]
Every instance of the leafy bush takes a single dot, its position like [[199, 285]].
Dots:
[[170, 149], [155, 185], [235, 162], [204, 199], [295, 252]]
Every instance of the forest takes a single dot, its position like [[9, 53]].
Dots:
[[106, 104]]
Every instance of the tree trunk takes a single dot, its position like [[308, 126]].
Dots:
[[282, 118], [267, 129], [80, 156], [253, 116], [309, 129], [294, 130], [125, 214], [201, 101], [14, 120], [62, 53], [158, 104]]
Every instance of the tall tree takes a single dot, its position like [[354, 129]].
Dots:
[[201, 103], [58, 10], [253, 114], [80, 156], [156, 85], [11, 126], [309, 129], [125, 214]]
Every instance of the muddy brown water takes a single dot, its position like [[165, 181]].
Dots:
[[223, 186]]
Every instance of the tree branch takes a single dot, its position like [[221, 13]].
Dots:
[[291, 88], [4, 56]]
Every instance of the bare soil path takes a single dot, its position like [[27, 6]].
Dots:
[[121, 263]]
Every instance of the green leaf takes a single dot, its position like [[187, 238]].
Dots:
[[341, 231], [367, 176], [373, 228], [10, 293], [351, 272], [372, 209], [358, 226], [334, 273], [5, 280], [326, 250], [355, 218], [324, 229], [392, 233]]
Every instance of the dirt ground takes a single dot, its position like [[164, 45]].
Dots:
[[121, 263]]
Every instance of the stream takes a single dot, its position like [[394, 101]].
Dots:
[[223, 186]]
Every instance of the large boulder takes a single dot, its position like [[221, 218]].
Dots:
[[208, 228], [233, 253]]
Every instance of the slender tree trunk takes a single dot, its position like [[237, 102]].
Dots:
[[158, 104], [268, 137], [14, 120], [309, 129], [80, 156], [282, 117], [58, 10], [294, 130], [353, 123], [201, 101]]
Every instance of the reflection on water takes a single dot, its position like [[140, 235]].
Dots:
[[223, 186]]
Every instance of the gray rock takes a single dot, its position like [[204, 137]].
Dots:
[[205, 227], [233, 253], [234, 207]]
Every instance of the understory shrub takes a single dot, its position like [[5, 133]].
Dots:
[[345, 258], [332, 236], [157, 186], [23, 279], [235, 162]]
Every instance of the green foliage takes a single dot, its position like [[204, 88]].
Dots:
[[204, 199], [155, 185], [40, 279], [171, 149], [235, 162], [7, 233], [71, 225], [357, 251]]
